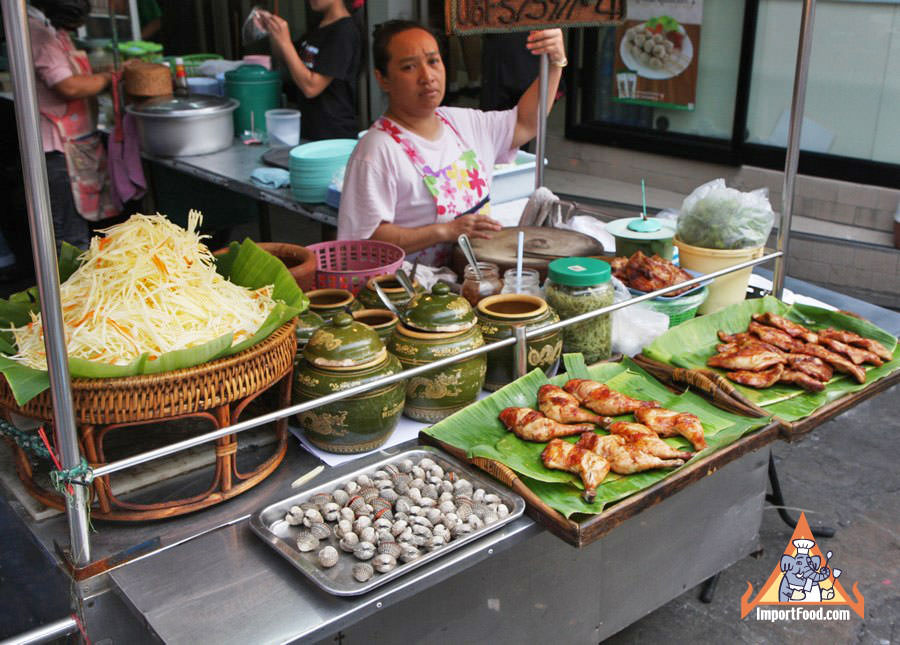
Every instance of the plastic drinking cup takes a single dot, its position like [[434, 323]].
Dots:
[[283, 127]]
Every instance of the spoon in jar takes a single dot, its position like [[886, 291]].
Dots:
[[405, 282], [384, 298], [466, 246]]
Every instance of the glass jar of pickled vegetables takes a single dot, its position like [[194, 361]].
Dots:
[[575, 286], [474, 289]]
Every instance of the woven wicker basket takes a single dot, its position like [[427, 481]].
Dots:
[[185, 391]]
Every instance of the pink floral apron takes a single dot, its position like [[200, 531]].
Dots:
[[462, 188], [83, 147]]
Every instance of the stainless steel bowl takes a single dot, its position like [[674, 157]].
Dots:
[[172, 126]]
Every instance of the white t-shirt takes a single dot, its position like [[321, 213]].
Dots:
[[381, 184]]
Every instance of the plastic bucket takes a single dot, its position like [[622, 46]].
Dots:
[[283, 127], [258, 90], [728, 289]]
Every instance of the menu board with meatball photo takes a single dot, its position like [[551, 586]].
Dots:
[[657, 48]]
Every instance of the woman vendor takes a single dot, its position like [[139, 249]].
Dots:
[[422, 174], [324, 66], [66, 87]]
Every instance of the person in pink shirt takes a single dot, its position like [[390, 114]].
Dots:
[[422, 174], [66, 87]]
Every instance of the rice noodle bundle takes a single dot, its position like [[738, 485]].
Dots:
[[150, 286]]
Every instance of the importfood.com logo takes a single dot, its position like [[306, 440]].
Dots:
[[803, 587]]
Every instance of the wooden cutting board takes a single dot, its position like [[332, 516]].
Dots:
[[542, 245]]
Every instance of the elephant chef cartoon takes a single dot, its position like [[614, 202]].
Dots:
[[802, 575]]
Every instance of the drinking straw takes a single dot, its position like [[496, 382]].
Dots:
[[519, 253], [643, 200]]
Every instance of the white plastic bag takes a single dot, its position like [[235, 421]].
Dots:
[[253, 29], [717, 217], [635, 326]]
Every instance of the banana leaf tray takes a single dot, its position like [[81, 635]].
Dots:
[[553, 498], [796, 411]]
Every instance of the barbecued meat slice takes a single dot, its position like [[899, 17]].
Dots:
[[559, 405], [624, 458], [669, 423], [750, 357], [650, 273], [837, 361], [807, 382], [739, 338], [759, 380], [773, 336], [793, 329], [727, 348], [857, 355], [531, 425], [810, 365], [857, 341], [591, 467], [602, 400], [647, 440]]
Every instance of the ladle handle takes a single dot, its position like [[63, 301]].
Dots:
[[466, 247], [384, 298], [405, 282]]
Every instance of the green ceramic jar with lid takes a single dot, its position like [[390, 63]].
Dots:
[[655, 239], [307, 324], [340, 355], [437, 325], [575, 286], [369, 299]]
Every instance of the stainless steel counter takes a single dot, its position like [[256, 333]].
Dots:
[[231, 168]]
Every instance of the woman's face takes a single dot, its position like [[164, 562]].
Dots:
[[415, 75]]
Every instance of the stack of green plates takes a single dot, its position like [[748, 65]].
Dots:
[[312, 165]]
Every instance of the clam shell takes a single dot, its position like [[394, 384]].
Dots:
[[379, 474], [490, 517], [362, 571], [403, 504], [364, 481], [417, 471], [347, 514], [418, 529], [384, 513], [460, 529], [480, 510], [398, 527], [383, 535], [369, 493], [436, 471], [311, 516], [384, 562], [462, 486], [390, 495], [452, 476], [463, 499], [417, 540], [340, 496], [328, 557], [382, 484], [351, 488], [361, 522], [430, 491], [426, 463], [320, 499], [446, 507], [400, 515], [405, 465], [367, 535], [433, 515], [418, 482], [345, 526], [391, 548], [293, 520], [478, 495], [422, 521], [379, 503], [357, 504], [475, 522], [349, 542], [392, 469], [410, 553], [307, 505], [502, 511], [434, 542], [364, 551], [382, 523], [320, 530], [307, 542], [490, 498], [446, 487], [415, 494], [296, 510], [443, 531], [415, 510], [427, 502]]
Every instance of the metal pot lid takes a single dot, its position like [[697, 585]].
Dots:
[[181, 106], [344, 343], [439, 311], [542, 244]]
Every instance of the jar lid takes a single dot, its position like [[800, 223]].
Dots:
[[344, 343], [252, 74], [620, 228], [579, 272], [440, 311]]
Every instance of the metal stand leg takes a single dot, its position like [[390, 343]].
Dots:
[[709, 589], [777, 500]]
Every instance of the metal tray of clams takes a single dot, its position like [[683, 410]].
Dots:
[[366, 528]]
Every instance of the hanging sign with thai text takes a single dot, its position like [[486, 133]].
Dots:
[[465, 17]]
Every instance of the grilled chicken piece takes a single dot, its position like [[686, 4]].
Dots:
[[837, 361], [857, 341], [727, 348], [649, 273], [647, 440], [793, 329], [759, 380], [668, 423], [807, 382], [624, 458], [773, 336], [531, 425], [750, 357], [857, 355], [602, 400], [740, 338], [811, 366], [559, 405], [591, 467]]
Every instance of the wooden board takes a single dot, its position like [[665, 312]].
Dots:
[[468, 17], [591, 528]]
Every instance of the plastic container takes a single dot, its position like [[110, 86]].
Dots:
[[259, 59], [258, 91], [531, 282], [475, 290], [728, 289], [679, 309], [575, 286], [283, 127], [348, 264], [192, 62], [515, 180], [628, 242], [203, 85]]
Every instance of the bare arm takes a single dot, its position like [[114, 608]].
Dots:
[[82, 86], [310, 83], [548, 42], [416, 239]]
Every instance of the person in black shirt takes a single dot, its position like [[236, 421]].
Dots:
[[324, 66]]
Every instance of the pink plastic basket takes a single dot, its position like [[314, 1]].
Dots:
[[349, 264]]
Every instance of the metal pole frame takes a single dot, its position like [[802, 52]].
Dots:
[[792, 155], [541, 145], [43, 244]]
